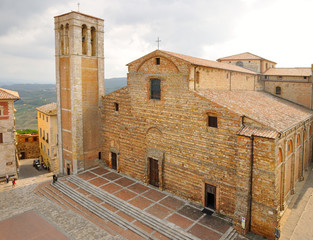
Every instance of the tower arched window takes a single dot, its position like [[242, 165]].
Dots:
[[278, 91], [66, 39], [62, 39], [84, 40], [93, 41]]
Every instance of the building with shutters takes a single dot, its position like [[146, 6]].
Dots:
[[8, 153], [48, 135]]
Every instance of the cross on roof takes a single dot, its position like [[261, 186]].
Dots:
[[78, 6], [158, 41]]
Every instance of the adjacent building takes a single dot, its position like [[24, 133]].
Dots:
[[28, 146], [8, 156], [48, 135]]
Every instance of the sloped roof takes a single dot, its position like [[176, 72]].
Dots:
[[288, 72], [203, 62], [209, 63], [260, 132], [8, 94], [243, 56], [49, 109], [275, 113]]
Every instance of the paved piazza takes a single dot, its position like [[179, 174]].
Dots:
[[27, 211]]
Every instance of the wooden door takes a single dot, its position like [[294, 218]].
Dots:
[[210, 196], [114, 160], [154, 172]]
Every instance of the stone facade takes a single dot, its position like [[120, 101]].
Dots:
[[28, 146], [242, 167], [211, 132], [48, 133], [80, 85], [8, 156]]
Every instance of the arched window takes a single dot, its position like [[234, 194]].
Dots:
[[93, 42], [62, 40], [289, 148], [66, 39], [278, 91], [298, 140], [84, 40], [280, 156], [239, 63]]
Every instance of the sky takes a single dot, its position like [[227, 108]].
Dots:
[[278, 30]]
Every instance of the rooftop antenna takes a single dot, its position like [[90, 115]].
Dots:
[[78, 6], [158, 41]]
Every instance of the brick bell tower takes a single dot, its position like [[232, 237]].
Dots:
[[80, 86]]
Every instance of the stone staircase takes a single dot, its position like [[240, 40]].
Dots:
[[230, 234], [165, 228]]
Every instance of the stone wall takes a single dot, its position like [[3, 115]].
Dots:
[[298, 92], [28, 146]]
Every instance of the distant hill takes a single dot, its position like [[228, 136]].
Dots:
[[35, 95]]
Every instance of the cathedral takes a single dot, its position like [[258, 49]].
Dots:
[[233, 135]]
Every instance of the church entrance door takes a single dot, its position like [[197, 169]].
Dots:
[[210, 196], [114, 160], [154, 172]]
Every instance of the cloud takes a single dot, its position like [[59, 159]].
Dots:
[[275, 29]]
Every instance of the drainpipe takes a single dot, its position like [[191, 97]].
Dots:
[[301, 177], [251, 178]]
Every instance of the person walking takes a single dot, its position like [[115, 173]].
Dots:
[[13, 183], [7, 178]]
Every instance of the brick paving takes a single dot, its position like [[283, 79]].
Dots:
[[150, 200], [60, 222]]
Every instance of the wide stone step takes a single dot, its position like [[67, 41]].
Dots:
[[99, 210], [230, 234], [166, 228]]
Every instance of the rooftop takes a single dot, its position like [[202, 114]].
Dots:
[[209, 63], [289, 72], [6, 94], [49, 109], [243, 56], [275, 113]]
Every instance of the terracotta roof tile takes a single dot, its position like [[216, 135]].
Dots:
[[8, 94], [271, 111], [208, 63], [289, 72], [260, 132], [49, 109], [243, 56]]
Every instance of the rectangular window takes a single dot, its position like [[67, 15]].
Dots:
[[43, 117], [35, 139], [47, 119], [26, 139], [48, 151], [39, 115], [44, 134], [0, 112], [40, 132], [1, 137], [41, 145], [212, 121], [116, 106], [157, 61], [155, 89], [47, 137]]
